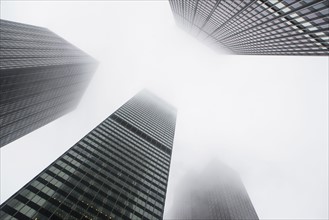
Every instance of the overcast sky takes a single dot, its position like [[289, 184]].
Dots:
[[264, 116]]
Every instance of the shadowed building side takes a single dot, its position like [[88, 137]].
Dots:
[[258, 27], [119, 170], [42, 77]]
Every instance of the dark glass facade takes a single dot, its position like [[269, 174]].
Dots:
[[117, 171], [262, 27], [216, 193], [42, 77]]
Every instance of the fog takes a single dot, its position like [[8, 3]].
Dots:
[[264, 116], [216, 192]]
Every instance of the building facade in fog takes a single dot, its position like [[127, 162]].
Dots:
[[216, 193], [117, 171], [42, 78], [262, 27]]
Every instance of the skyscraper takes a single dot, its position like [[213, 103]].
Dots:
[[42, 77], [117, 171], [216, 193], [263, 27]]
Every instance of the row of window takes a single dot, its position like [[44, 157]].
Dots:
[[31, 127], [265, 13], [112, 160], [10, 44], [100, 188], [282, 27], [14, 91], [23, 101], [136, 148], [277, 33], [150, 126], [245, 24], [44, 113], [21, 76], [189, 8], [255, 13], [29, 37], [320, 49], [144, 135], [152, 105], [156, 112], [152, 117], [20, 26], [292, 44], [223, 13], [138, 151], [5, 27], [116, 168], [26, 111], [152, 149], [116, 181], [113, 181], [113, 147], [33, 53], [159, 155]]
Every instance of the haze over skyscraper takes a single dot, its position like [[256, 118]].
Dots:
[[216, 193], [289, 27], [42, 78], [119, 170], [265, 116]]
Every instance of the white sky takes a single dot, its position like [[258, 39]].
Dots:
[[265, 116]]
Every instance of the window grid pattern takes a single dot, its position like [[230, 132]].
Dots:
[[266, 27], [114, 172], [42, 78]]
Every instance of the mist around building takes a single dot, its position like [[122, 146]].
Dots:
[[164, 109]]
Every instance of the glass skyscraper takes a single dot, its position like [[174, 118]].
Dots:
[[261, 27], [42, 77], [215, 193], [117, 171]]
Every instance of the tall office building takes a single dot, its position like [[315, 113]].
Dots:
[[262, 27], [117, 171], [216, 193], [42, 77]]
